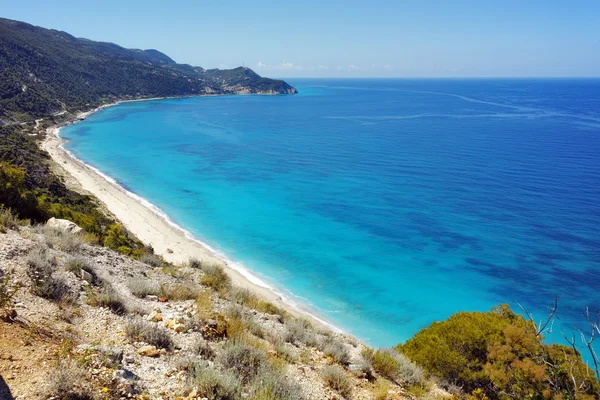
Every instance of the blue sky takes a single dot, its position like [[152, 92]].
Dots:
[[376, 38]]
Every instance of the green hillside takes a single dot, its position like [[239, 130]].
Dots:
[[45, 71]]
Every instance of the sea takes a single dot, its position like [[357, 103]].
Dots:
[[382, 205]]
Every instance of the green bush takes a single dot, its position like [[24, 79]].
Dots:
[[499, 355], [8, 220], [215, 277]]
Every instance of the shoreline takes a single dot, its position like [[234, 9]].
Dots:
[[153, 226]]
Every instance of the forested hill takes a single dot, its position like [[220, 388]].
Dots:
[[44, 72]]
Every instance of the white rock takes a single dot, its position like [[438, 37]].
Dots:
[[65, 225], [86, 276]]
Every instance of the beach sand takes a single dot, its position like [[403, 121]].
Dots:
[[152, 228]]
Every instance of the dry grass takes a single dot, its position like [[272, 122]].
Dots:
[[204, 305], [248, 299], [336, 378], [381, 390], [180, 291]]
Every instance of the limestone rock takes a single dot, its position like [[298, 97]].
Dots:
[[65, 225], [155, 316], [86, 276], [148, 351]]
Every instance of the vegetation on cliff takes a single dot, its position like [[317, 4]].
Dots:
[[44, 71]]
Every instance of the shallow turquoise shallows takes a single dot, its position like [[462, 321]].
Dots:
[[382, 204]]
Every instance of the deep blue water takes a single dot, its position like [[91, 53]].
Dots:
[[384, 204]]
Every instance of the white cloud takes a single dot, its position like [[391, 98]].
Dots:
[[323, 66], [388, 67], [353, 67]]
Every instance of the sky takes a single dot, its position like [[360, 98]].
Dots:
[[350, 38]]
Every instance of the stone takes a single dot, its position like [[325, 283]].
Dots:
[[179, 328], [65, 225], [152, 297], [148, 351], [154, 316], [86, 276]]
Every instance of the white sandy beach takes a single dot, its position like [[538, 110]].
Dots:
[[145, 222]]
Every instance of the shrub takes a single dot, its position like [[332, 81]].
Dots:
[[204, 305], [195, 263], [59, 239], [335, 349], [215, 277], [68, 383], [76, 264], [246, 298], [40, 267], [397, 367], [270, 384], [244, 359], [152, 260], [336, 378], [7, 219], [141, 287], [180, 291], [200, 347], [7, 291], [117, 238], [139, 330], [499, 352], [288, 354], [109, 298], [216, 385], [300, 330], [381, 390]]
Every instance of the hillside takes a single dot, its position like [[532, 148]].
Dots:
[[89, 323], [45, 71]]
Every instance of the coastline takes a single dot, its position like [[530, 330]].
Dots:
[[154, 227]]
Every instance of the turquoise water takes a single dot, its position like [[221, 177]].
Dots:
[[383, 204]]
